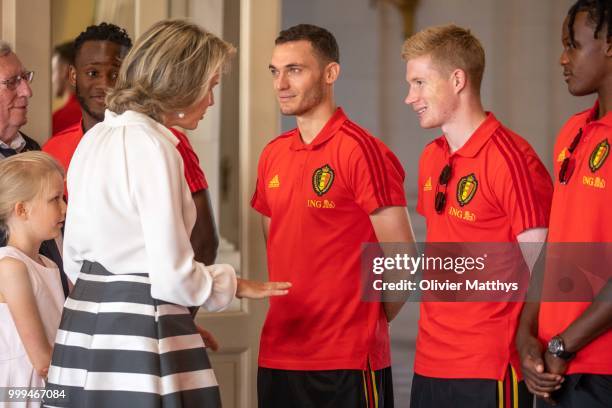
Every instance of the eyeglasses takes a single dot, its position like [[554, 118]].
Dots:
[[12, 83], [440, 198], [568, 165]]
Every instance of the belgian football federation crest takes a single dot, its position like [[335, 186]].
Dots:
[[466, 188], [599, 155], [322, 179]]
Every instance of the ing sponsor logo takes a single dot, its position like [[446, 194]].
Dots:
[[320, 204]]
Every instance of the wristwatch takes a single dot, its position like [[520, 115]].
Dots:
[[556, 347]]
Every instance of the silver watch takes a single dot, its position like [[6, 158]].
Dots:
[[556, 347]]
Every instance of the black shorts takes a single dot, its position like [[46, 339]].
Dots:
[[430, 392], [324, 389], [582, 390]]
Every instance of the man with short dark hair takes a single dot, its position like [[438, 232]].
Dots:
[[15, 93], [98, 52], [324, 189], [566, 346]]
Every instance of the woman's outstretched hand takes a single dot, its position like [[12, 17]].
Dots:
[[259, 290]]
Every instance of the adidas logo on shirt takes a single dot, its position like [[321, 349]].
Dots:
[[274, 183], [562, 155], [428, 186]]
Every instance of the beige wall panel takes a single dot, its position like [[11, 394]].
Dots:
[[26, 25], [69, 18]]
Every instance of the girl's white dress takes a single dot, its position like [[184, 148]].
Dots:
[[15, 367]]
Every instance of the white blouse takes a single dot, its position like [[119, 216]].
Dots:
[[131, 210]]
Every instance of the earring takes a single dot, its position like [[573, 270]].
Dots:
[[181, 115]]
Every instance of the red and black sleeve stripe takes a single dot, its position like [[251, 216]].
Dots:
[[375, 162], [532, 214]]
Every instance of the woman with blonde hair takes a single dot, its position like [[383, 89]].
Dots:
[[126, 337]]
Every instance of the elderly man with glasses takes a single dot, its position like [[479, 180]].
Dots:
[[15, 93]]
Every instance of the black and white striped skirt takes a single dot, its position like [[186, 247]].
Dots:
[[118, 347]]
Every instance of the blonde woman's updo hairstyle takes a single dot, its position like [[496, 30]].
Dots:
[[22, 177], [168, 69]]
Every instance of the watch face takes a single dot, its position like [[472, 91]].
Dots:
[[555, 346]]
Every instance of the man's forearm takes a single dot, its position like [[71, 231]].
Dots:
[[528, 323], [204, 247], [204, 237], [593, 322], [392, 225]]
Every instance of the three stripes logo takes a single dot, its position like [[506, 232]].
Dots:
[[599, 155], [274, 183], [562, 155], [466, 188]]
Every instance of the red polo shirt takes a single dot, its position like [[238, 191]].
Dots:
[[62, 147], [63, 144], [319, 197], [67, 115], [504, 190], [579, 214]]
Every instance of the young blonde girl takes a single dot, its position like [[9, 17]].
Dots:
[[32, 210]]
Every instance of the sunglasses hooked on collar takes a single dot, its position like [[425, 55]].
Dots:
[[569, 163], [440, 197]]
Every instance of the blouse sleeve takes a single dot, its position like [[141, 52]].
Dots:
[[156, 184]]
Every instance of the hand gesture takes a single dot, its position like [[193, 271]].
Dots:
[[539, 382], [259, 290], [555, 365]]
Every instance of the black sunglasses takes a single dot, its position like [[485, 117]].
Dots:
[[567, 167], [440, 198]]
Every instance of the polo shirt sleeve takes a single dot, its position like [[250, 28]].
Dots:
[[376, 176], [259, 201], [196, 180], [61, 150], [52, 148], [524, 189]]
